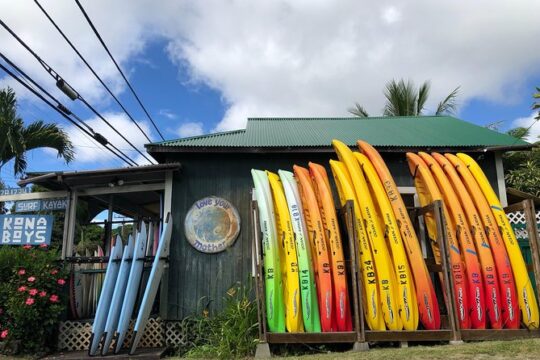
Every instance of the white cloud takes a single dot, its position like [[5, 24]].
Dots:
[[188, 129], [89, 151], [168, 114], [526, 122], [297, 57]]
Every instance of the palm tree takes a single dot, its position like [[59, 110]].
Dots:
[[16, 138], [403, 99], [536, 105]]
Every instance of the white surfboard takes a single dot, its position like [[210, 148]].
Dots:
[[153, 283], [106, 295], [118, 296], [131, 288]]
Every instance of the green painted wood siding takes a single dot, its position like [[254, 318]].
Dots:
[[196, 279]]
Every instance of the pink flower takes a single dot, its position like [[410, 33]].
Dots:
[[54, 298], [42, 293], [21, 272], [43, 246], [61, 282], [31, 279], [54, 272], [29, 301], [26, 247], [33, 292], [4, 334], [21, 289]]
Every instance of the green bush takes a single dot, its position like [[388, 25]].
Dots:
[[32, 298], [231, 333]]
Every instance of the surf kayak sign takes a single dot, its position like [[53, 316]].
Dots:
[[212, 225], [26, 229]]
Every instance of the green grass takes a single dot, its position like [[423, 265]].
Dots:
[[493, 350]]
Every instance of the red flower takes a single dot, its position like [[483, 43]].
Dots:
[[29, 301], [54, 298], [33, 292], [21, 272], [42, 293], [43, 246], [61, 282], [4, 334], [54, 272], [21, 289], [31, 279], [26, 247]]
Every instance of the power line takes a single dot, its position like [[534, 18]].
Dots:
[[117, 66], [91, 69], [67, 88], [62, 110]]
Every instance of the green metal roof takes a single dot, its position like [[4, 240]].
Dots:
[[406, 131]]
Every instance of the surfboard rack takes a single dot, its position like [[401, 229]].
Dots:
[[360, 337]]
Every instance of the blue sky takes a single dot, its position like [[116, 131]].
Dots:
[[204, 66]]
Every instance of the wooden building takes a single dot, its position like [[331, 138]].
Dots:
[[219, 164]]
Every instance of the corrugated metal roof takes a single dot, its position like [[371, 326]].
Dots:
[[413, 131]]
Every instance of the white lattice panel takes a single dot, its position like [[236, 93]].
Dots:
[[517, 217], [175, 334], [75, 335]]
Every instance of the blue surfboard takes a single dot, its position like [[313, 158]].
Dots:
[[153, 283], [106, 295], [118, 296], [132, 288]]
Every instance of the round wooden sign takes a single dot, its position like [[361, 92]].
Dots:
[[212, 225]]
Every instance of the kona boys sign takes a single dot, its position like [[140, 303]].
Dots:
[[26, 229]]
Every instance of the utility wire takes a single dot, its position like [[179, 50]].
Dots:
[[68, 89], [117, 66], [62, 110], [91, 69]]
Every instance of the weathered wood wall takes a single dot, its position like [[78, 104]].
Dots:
[[196, 279]]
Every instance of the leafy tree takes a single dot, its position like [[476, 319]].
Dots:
[[17, 138], [523, 167], [404, 99]]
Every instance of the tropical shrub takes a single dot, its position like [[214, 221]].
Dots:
[[32, 298], [232, 333]]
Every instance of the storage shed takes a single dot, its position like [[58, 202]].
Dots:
[[219, 164]]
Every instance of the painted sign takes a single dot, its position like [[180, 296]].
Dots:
[[27, 205], [212, 225], [26, 229], [15, 191], [54, 204]]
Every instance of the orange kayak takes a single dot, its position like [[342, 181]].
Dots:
[[509, 304], [489, 270], [468, 250], [331, 226], [426, 298], [428, 192], [319, 250]]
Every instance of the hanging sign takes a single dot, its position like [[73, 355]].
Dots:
[[27, 206], [15, 191], [26, 229], [54, 204], [212, 225]]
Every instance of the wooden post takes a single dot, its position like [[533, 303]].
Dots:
[[356, 277], [532, 230], [448, 279]]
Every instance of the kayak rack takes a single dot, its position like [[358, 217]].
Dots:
[[361, 337]]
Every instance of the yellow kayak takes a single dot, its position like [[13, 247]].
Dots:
[[372, 309], [526, 297], [289, 261], [406, 297], [375, 232]]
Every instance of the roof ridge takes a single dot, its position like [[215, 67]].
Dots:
[[344, 118], [199, 136]]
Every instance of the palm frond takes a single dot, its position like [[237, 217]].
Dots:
[[358, 110], [423, 94], [39, 135], [449, 104], [401, 98]]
